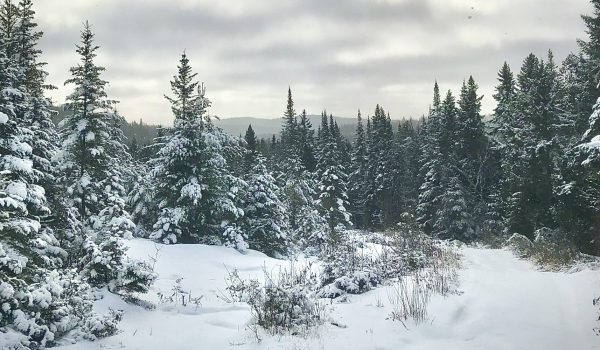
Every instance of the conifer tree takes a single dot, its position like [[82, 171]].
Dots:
[[408, 153], [289, 131], [431, 166], [306, 142], [333, 198], [357, 179], [380, 171], [579, 196], [35, 300], [91, 155], [473, 159], [251, 153], [198, 195], [265, 220]]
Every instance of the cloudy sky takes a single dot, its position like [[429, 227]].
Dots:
[[338, 55]]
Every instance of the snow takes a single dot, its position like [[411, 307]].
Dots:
[[504, 303], [18, 189], [3, 118], [594, 142]]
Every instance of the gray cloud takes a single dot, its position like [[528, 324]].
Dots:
[[339, 55]]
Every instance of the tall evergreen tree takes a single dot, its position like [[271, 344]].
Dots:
[[358, 176], [408, 153], [380, 171], [431, 166], [251, 153], [36, 300], [332, 191], [474, 159], [289, 130], [92, 150], [306, 142], [198, 196], [265, 220]]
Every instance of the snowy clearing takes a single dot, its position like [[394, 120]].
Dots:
[[504, 303]]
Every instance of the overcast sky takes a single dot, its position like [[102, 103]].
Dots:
[[338, 55]]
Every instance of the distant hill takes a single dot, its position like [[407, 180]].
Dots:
[[263, 127], [267, 127]]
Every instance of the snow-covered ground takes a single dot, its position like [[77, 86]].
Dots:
[[505, 303]]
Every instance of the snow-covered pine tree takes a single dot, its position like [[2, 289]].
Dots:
[[536, 107], [90, 159], [140, 200], [332, 191], [454, 219], [289, 130], [508, 130], [453, 223], [431, 166], [380, 171], [590, 50], [408, 153], [198, 196], [578, 196], [61, 222], [578, 101], [251, 152], [358, 175], [265, 221], [474, 159], [35, 301], [306, 142], [20, 265]]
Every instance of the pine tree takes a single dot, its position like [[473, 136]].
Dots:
[[198, 195], [579, 196], [265, 220], [591, 50], [357, 179], [91, 155], [34, 299], [306, 142], [380, 171], [431, 166], [408, 154], [251, 153], [473, 159], [528, 121], [333, 198], [289, 130]]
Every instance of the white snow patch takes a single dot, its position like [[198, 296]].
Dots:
[[506, 304]]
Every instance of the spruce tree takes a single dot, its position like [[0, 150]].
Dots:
[[306, 142], [579, 196], [36, 300], [380, 171], [333, 198], [251, 152], [265, 220], [289, 130], [408, 153], [431, 166], [473, 160], [91, 157], [197, 194], [357, 179]]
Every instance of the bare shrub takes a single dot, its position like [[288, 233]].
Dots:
[[178, 296], [283, 303]]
